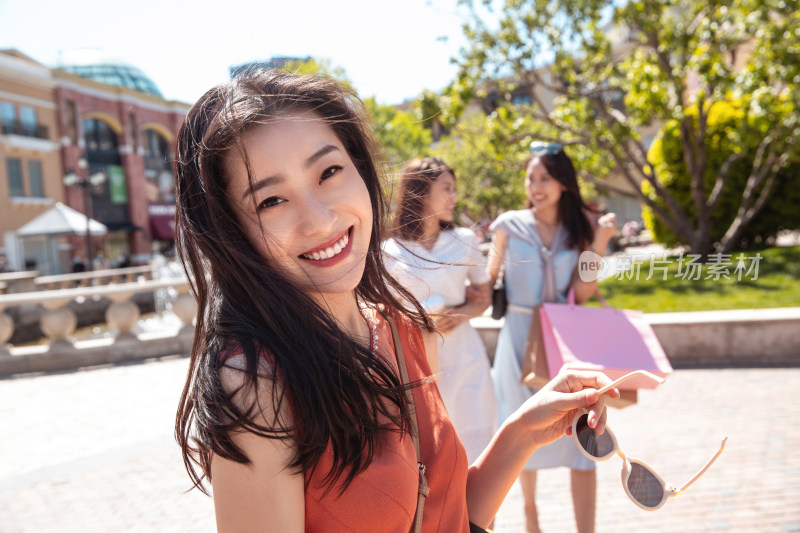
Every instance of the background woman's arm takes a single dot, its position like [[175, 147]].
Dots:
[[478, 298], [496, 253], [606, 227]]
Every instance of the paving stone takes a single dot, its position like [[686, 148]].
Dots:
[[92, 452]]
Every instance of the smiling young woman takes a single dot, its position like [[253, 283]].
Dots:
[[294, 408], [538, 248]]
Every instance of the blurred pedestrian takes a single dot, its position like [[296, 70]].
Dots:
[[539, 248], [443, 267]]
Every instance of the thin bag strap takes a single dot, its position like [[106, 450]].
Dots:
[[423, 490]]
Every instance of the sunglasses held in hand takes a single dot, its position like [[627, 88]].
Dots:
[[642, 484]]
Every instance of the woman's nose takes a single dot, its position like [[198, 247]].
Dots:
[[317, 214]]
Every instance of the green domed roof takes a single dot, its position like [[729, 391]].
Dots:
[[117, 73]]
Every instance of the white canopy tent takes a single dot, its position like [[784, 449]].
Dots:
[[38, 240], [61, 220]]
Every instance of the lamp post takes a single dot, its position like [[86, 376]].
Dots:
[[86, 183]]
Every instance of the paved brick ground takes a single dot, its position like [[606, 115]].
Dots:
[[92, 451]]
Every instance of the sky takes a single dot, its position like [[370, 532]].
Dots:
[[389, 49]]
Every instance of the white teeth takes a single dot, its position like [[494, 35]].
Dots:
[[330, 251]]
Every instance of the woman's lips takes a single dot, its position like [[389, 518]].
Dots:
[[332, 252]]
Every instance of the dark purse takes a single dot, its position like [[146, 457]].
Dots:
[[499, 301]]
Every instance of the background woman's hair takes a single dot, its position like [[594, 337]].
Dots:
[[415, 185], [572, 210], [247, 306]]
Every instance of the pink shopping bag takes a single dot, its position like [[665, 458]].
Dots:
[[613, 341]]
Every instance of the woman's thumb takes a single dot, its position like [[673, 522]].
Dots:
[[575, 400]]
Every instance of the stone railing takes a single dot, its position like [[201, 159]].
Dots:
[[94, 278], [58, 323]]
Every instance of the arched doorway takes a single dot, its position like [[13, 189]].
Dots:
[[110, 204]]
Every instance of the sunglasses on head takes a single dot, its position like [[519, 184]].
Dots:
[[539, 147], [641, 483]]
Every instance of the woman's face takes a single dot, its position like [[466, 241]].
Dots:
[[441, 198], [310, 214], [543, 190]]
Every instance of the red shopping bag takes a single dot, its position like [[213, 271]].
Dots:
[[609, 340]]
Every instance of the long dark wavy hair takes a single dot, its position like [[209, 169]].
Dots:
[[415, 185], [338, 394], [572, 210]]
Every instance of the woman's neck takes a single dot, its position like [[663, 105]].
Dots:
[[547, 216], [430, 232], [344, 308]]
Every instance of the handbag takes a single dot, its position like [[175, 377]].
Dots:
[[499, 300], [535, 373], [423, 489], [605, 339]]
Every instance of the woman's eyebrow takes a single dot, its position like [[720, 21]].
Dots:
[[328, 148], [260, 184]]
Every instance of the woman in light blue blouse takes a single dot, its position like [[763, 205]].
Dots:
[[539, 248]]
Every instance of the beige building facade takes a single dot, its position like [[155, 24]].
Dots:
[[30, 157]]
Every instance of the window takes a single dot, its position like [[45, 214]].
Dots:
[[8, 117], [99, 136], [35, 180], [521, 99], [154, 144], [15, 185], [160, 186], [27, 117]]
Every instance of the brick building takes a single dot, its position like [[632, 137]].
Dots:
[[114, 122], [106, 124]]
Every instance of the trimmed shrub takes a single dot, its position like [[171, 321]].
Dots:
[[723, 138]]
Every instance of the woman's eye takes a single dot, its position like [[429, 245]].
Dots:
[[330, 171], [270, 202]]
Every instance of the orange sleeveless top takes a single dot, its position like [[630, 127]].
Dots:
[[384, 496]]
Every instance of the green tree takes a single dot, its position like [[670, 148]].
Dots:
[[597, 76], [490, 175], [317, 66], [400, 135], [724, 124]]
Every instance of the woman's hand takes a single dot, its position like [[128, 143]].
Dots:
[[448, 321], [539, 421], [548, 414], [478, 298], [606, 228]]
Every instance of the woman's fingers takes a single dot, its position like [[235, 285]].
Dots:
[[577, 380], [601, 424], [579, 391]]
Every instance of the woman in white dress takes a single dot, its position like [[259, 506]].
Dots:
[[443, 268]]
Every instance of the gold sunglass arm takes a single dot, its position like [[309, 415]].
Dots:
[[703, 470], [633, 374]]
